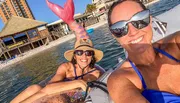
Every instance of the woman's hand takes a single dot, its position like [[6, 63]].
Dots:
[[82, 84]]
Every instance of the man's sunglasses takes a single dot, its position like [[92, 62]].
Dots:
[[87, 52], [139, 20]]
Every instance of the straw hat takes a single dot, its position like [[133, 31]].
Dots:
[[84, 44]]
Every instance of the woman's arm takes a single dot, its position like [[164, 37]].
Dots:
[[56, 88], [57, 85], [60, 73], [33, 89]]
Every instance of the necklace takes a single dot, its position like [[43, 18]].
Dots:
[[82, 70]]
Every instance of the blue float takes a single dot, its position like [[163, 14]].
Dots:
[[90, 30]]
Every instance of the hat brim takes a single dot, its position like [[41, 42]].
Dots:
[[98, 54]]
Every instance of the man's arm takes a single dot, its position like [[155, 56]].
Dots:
[[122, 90]]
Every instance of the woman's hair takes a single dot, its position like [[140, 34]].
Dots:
[[119, 2], [91, 65]]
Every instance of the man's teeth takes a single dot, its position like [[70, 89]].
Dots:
[[137, 40]]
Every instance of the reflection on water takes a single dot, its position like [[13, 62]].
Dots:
[[35, 69]]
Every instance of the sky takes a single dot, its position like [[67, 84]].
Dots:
[[41, 11]]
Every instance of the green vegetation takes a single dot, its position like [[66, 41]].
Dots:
[[90, 8]]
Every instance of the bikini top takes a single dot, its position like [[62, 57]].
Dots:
[[155, 96], [77, 77]]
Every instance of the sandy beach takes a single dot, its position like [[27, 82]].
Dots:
[[45, 47]]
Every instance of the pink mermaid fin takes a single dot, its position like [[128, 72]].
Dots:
[[66, 14]]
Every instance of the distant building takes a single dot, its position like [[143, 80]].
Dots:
[[20, 35], [16, 8], [145, 1], [102, 5], [60, 28]]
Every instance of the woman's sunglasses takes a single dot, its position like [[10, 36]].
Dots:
[[139, 20], [87, 52]]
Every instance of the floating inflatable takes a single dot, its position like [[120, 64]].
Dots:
[[90, 30]]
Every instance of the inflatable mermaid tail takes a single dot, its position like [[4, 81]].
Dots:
[[66, 14]]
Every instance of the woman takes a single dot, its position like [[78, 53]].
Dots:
[[70, 76], [151, 73]]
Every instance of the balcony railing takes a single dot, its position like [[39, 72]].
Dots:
[[14, 45]]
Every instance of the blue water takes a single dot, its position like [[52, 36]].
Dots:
[[16, 78]]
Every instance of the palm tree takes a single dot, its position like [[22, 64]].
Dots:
[[90, 8]]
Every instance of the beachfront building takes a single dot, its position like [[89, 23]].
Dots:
[[16, 8], [20, 35], [102, 5], [146, 1], [88, 19], [60, 28]]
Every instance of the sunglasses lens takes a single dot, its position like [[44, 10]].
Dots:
[[141, 23], [89, 52], [119, 32], [78, 52]]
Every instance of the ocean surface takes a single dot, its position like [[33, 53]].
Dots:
[[16, 78]]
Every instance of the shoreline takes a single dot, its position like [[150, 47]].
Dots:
[[150, 3], [30, 53]]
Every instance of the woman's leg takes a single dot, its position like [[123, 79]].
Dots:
[[26, 93]]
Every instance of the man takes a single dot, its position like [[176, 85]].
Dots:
[[152, 71]]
